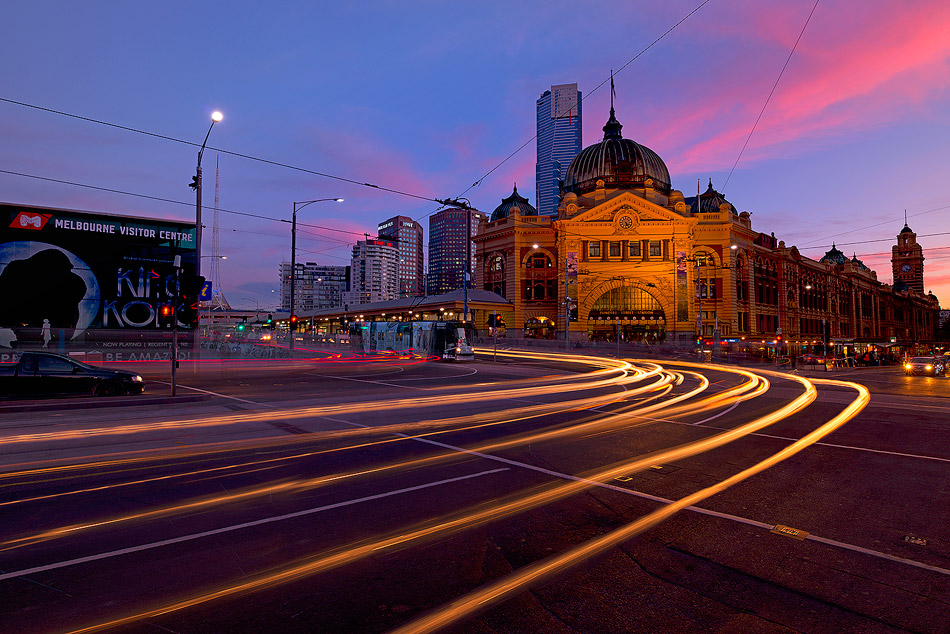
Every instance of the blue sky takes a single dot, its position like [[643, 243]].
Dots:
[[426, 97]]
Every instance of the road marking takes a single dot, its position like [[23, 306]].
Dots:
[[233, 398], [661, 500], [723, 413], [347, 378], [788, 531], [235, 527], [427, 378]]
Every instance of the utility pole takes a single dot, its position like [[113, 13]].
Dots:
[[463, 203]]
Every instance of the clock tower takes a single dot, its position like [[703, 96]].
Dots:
[[907, 261]]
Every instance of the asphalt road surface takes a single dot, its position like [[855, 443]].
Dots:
[[537, 493]]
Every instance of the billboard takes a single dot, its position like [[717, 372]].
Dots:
[[65, 275]]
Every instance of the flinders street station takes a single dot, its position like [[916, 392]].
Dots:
[[629, 254]]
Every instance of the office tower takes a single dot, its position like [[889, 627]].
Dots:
[[447, 237], [408, 236], [374, 272], [559, 141], [318, 286]]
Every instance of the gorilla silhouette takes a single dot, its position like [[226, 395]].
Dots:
[[40, 287]]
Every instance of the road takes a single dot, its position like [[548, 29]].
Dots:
[[538, 493]]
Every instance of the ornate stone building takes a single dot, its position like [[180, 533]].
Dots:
[[630, 254]]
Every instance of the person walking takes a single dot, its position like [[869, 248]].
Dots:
[[47, 335]]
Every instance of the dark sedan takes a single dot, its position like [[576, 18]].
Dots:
[[48, 374]]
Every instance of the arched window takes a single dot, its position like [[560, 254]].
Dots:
[[495, 275], [538, 261]]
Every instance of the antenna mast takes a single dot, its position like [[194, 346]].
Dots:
[[217, 297]]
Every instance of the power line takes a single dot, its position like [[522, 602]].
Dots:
[[229, 152], [885, 222], [771, 92], [591, 92], [169, 200]]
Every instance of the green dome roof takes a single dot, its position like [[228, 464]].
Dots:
[[514, 201], [835, 256], [619, 162]]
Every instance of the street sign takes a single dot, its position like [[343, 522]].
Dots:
[[205, 294]]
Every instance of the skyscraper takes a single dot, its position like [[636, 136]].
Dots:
[[447, 238], [559, 141], [373, 272], [316, 286], [408, 236]]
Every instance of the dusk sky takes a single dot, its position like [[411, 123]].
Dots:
[[427, 97]]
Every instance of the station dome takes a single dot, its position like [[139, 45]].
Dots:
[[710, 201], [619, 162], [834, 256], [514, 201]]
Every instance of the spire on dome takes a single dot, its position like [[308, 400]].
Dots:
[[612, 127]]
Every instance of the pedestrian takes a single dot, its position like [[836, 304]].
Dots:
[[47, 335]]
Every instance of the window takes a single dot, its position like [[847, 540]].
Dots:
[[538, 261], [634, 249], [615, 249], [656, 249], [497, 263], [593, 250]]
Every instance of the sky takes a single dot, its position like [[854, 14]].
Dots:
[[427, 97]]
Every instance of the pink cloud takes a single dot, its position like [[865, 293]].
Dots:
[[839, 80]]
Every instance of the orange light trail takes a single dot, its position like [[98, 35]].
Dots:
[[494, 511]]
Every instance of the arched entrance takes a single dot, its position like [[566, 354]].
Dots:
[[634, 312], [539, 328]]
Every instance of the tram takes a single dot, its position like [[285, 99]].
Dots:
[[446, 340]]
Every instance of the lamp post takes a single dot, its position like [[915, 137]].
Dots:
[[293, 259], [216, 116]]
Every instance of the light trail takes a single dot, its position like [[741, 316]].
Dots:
[[605, 379], [472, 422], [494, 511], [532, 574]]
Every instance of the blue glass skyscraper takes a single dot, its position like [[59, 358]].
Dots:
[[559, 141]]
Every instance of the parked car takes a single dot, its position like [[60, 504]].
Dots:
[[933, 366], [48, 374]]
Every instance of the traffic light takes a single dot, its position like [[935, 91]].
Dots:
[[699, 340], [270, 319], [189, 288], [194, 182], [241, 326], [293, 321]]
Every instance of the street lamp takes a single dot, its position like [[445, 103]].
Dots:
[[293, 257], [216, 116]]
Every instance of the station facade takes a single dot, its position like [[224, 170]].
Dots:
[[626, 253]]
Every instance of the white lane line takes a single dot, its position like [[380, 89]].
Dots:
[[347, 378], [723, 413], [428, 378], [235, 527], [233, 398], [661, 500]]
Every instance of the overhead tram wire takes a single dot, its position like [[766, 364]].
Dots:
[[885, 222], [176, 202], [771, 92], [294, 167], [591, 92], [222, 151]]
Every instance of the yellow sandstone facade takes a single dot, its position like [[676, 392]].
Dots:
[[629, 254]]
